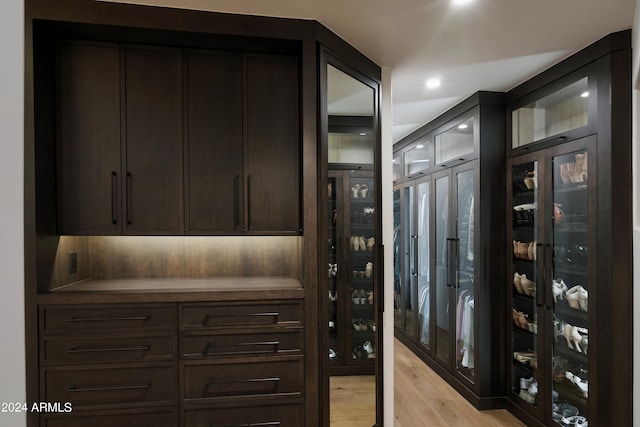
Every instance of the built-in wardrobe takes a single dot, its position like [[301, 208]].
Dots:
[[554, 266], [175, 259], [568, 270], [448, 183]]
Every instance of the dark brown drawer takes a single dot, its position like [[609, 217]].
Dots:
[[147, 417], [105, 318], [283, 341], [151, 347], [215, 315], [223, 381], [122, 385], [256, 415]]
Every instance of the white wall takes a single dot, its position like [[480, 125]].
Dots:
[[12, 366]]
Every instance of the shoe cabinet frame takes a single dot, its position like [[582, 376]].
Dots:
[[607, 139]]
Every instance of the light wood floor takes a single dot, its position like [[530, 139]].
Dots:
[[422, 399]]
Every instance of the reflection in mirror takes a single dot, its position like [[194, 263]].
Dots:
[[352, 213]]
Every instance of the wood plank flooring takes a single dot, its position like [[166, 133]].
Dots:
[[422, 399]]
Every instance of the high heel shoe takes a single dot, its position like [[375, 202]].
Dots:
[[516, 282], [577, 338], [582, 385], [577, 297], [558, 329], [558, 289], [568, 335], [528, 286]]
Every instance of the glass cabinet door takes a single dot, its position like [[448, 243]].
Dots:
[[524, 272], [361, 241], [464, 274], [455, 143], [443, 273], [409, 237], [570, 284], [397, 259], [423, 262], [333, 245]]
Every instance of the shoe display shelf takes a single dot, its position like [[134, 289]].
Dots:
[[568, 236], [351, 272]]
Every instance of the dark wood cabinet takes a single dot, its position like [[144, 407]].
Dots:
[[88, 135], [272, 152], [569, 272], [242, 142], [152, 141], [447, 250], [213, 148]]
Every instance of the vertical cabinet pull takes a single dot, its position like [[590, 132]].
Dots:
[[236, 202], [114, 201], [128, 197], [249, 179]]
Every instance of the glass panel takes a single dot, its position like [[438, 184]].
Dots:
[[443, 273], [416, 159], [332, 284], [524, 342], [455, 142], [561, 111], [397, 168], [570, 284], [362, 242], [465, 274], [423, 263], [397, 260], [409, 247], [354, 147]]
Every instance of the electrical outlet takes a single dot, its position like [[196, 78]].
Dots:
[[73, 262]]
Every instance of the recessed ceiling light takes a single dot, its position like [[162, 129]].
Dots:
[[419, 146], [433, 83], [584, 94], [463, 126], [461, 2]]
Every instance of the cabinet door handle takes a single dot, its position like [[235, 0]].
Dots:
[[101, 350], [114, 201], [249, 179], [75, 389], [236, 202], [259, 424], [241, 345], [251, 316], [128, 197], [274, 380], [106, 319]]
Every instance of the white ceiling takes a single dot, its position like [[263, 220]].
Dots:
[[485, 45]]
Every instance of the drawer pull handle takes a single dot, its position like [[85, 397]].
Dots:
[[106, 319], [275, 344], [263, 424], [250, 380], [112, 388], [98, 350], [256, 316]]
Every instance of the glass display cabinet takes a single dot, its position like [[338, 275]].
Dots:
[[551, 234], [445, 235], [569, 270]]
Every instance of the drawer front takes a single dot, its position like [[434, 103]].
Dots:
[[281, 342], [108, 386], [151, 347], [198, 316], [156, 417], [282, 415], [222, 381], [124, 317]]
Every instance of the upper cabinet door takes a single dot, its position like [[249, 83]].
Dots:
[[213, 151], [88, 145], [153, 135], [272, 157]]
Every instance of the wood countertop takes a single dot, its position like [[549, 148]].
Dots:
[[176, 290]]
